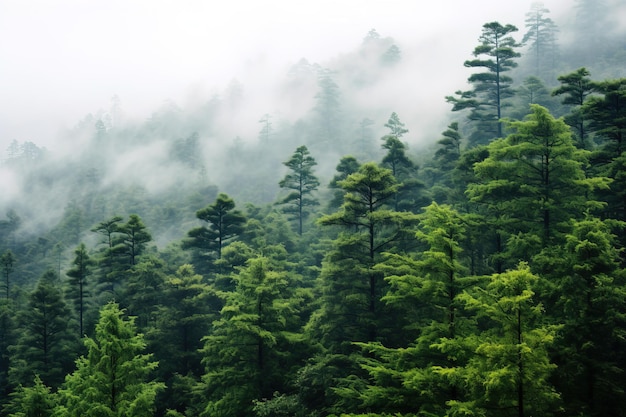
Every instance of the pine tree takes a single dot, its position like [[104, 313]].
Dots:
[[301, 182], [46, 344], [492, 87], [113, 379], [78, 285], [31, 401]]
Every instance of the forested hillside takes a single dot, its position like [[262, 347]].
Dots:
[[328, 264]]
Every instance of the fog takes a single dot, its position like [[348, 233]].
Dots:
[[155, 73], [67, 58]]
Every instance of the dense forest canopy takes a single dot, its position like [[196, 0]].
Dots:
[[329, 263]]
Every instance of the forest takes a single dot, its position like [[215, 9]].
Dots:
[[323, 269]]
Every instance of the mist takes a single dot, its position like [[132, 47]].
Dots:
[[171, 95]]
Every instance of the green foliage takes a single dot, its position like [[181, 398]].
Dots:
[[35, 401], [113, 379], [223, 223], [46, 344], [492, 87], [511, 368], [302, 183], [7, 262], [78, 285]]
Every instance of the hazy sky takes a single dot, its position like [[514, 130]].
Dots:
[[63, 59]]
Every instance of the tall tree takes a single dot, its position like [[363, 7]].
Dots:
[[46, 344], [77, 292], [533, 182], [396, 127], [134, 236], [253, 343], [7, 262], [109, 252], [590, 286], [113, 379], [606, 112], [510, 371], [223, 223], [405, 172], [492, 87], [415, 373], [302, 182], [346, 166], [541, 36], [575, 87]]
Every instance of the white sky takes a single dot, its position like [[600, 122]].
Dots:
[[63, 59]]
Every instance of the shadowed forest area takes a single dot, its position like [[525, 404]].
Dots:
[[329, 263]]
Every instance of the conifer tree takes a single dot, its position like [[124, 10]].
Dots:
[[511, 368], [46, 346], [492, 87], [113, 379], [31, 401], [222, 224], [301, 183], [78, 286]]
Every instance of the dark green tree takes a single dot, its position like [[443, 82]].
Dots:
[[405, 171], [492, 87], [301, 183], [108, 259], [575, 87], [606, 113], [251, 349], [7, 262], [188, 307], [347, 165], [133, 238], [590, 285], [78, 285], [351, 289], [46, 345], [533, 182], [223, 223], [113, 379]]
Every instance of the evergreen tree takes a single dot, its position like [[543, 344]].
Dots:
[[396, 127], [541, 36], [347, 165], [113, 379], [109, 259], [46, 345], [405, 172], [351, 289], [491, 88], [7, 262], [183, 319], [35, 401], [223, 224], [249, 352], [575, 87], [8, 336], [133, 238], [78, 285], [533, 182], [606, 113], [509, 373], [301, 182], [417, 372], [590, 286]]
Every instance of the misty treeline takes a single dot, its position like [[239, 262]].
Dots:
[[326, 267]]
